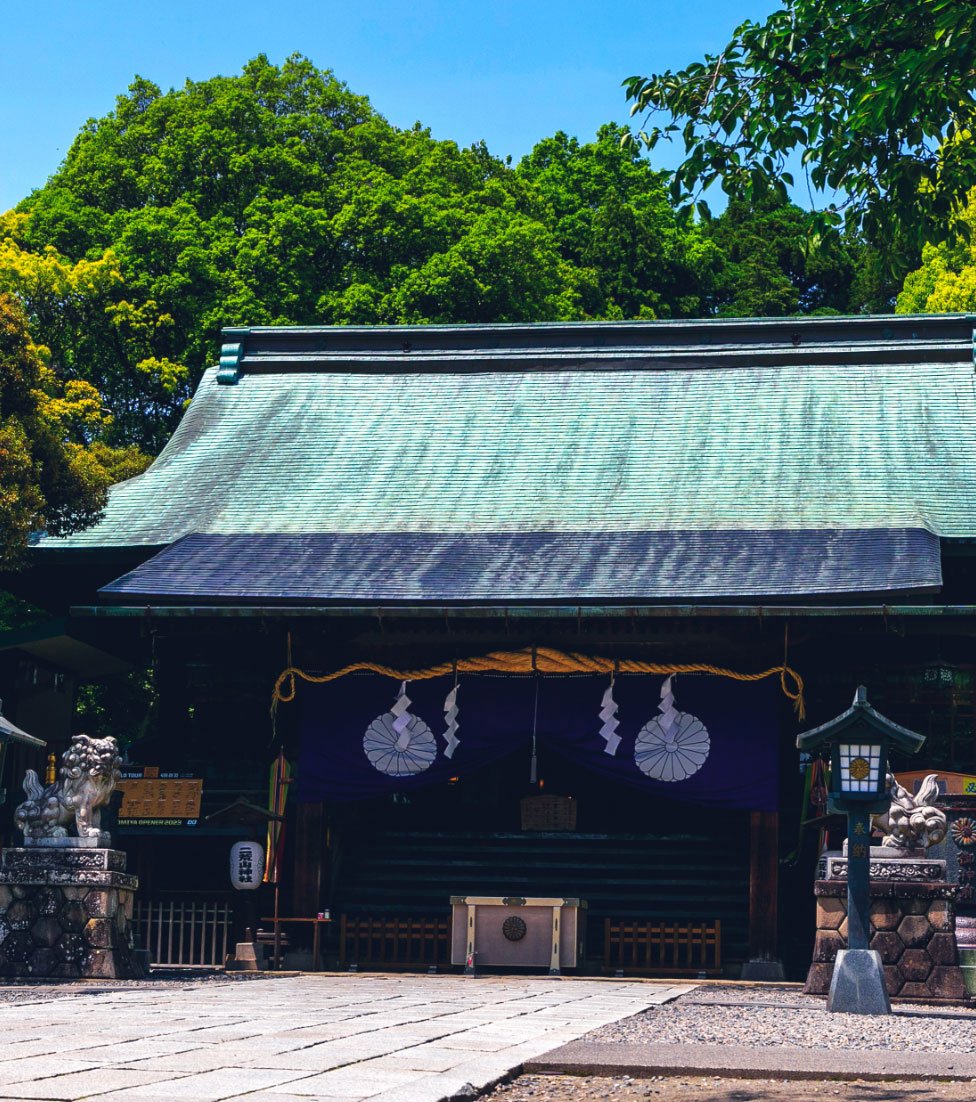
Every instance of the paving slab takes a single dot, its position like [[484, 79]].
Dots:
[[29, 1068], [425, 1058], [211, 1058], [208, 1086], [81, 1084], [364, 1037], [594, 1058], [351, 1083]]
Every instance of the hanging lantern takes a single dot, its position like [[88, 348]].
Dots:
[[246, 865]]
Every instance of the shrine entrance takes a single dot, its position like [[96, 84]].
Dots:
[[631, 859], [636, 795]]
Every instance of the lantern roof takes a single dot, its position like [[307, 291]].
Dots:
[[10, 732], [863, 722], [243, 813]]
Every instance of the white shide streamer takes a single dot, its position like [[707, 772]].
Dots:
[[451, 712], [608, 713]]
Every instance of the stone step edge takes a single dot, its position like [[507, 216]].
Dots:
[[642, 1061]]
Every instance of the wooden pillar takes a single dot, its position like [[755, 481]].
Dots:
[[308, 849], [858, 879], [763, 960]]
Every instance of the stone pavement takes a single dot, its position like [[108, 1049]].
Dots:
[[294, 1039]]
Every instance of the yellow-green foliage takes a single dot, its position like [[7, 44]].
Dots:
[[56, 458], [46, 479], [946, 281], [90, 330]]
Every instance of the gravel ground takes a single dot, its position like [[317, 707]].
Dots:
[[570, 1088], [782, 1016]]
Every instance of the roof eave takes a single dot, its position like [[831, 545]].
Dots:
[[502, 611]]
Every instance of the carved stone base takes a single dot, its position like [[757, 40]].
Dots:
[[67, 914], [100, 840], [886, 864], [912, 928]]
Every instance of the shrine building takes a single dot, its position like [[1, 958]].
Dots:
[[534, 612]]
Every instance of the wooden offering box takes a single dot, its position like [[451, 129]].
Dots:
[[514, 932]]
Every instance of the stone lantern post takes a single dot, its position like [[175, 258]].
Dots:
[[858, 741]]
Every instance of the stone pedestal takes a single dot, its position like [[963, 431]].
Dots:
[[66, 913], [244, 959], [858, 985], [763, 971], [912, 927]]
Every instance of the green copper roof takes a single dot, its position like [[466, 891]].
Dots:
[[787, 425]]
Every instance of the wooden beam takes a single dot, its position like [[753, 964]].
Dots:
[[309, 852], [764, 885]]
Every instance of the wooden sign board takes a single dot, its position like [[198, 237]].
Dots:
[[151, 797]]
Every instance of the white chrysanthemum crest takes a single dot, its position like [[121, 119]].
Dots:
[[398, 743], [673, 745]]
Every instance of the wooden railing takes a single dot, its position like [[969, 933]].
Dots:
[[180, 932], [394, 941], [664, 948]]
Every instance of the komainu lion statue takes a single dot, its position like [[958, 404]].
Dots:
[[89, 770], [912, 822]]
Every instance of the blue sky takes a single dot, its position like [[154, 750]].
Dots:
[[510, 73]]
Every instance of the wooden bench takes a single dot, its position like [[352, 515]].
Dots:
[[394, 941], [279, 934], [662, 948]]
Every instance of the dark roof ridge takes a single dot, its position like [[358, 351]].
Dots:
[[589, 346]]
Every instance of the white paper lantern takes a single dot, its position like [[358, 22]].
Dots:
[[246, 865]]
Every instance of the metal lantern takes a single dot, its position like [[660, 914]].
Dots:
[[857, 772]]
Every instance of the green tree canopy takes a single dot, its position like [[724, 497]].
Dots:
[[610, 212], [92, 331], [769, 270], [53, 475], [871, 96], [278, 196]]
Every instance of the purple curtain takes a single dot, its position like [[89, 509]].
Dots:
[[497, 714]]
